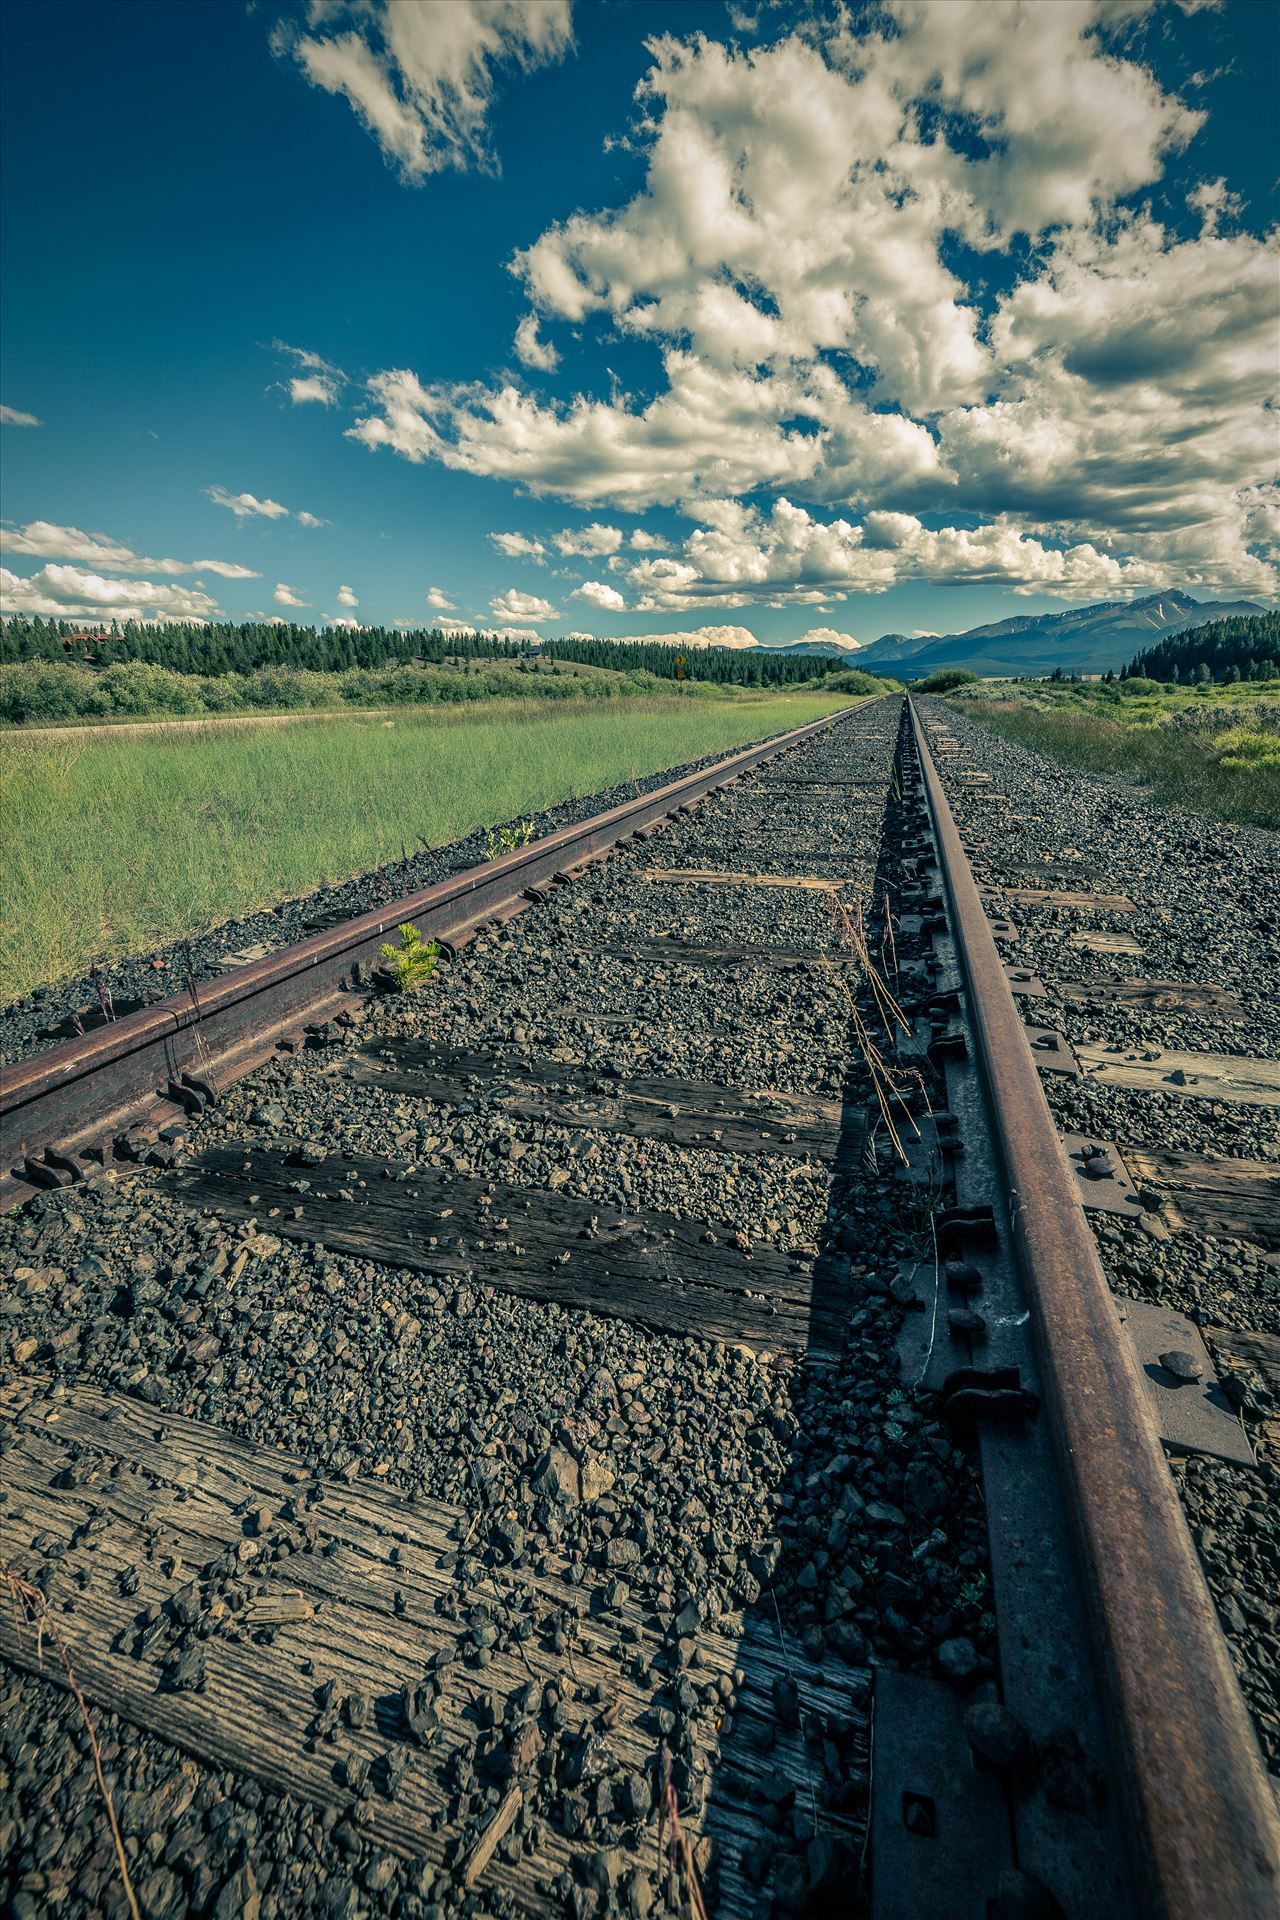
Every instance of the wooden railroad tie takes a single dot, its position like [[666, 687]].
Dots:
[[335, 1656], [686, 1113], [660, 1271], [727, 877]]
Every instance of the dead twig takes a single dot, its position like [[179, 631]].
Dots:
[[483, 1850], [31, 1609], [888, 927], [679, 1852], [851, 935]]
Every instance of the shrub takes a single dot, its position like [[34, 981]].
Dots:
[[32, 691], [135, 687], [285, 687], [856, 680], [1243, 748], [947, 679], [1136, 684]]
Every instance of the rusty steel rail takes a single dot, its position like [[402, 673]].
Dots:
[[61, 1110], [1199, 1813]]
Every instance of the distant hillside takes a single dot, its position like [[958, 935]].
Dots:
[[1093, 639], [821, 649], [897, 647], [1234, 648]]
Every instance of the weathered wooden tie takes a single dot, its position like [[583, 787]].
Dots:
[[323, 1637], [687, 1113], [1235, 1199], [729, 877], [655, 1269], [1233, 1077]]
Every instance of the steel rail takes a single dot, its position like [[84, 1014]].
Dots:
[[58, 1106], [1199, 1813]]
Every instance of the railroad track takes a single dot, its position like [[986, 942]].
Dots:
[[641, 1421]]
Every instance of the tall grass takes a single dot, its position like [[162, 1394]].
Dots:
[[1223, 762], [115, 844]]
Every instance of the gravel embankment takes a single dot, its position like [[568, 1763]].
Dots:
[[1207, 910], [738, 1479]]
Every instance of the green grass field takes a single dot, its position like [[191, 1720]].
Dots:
[[1215, 750], [118, 843]]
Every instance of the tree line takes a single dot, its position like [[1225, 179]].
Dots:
[[1240, 647], [220, 646], [732, 666]]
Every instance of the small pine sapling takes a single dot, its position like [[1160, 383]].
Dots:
[[413, 961]]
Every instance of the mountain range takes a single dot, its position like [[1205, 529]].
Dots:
[[1089, 639]]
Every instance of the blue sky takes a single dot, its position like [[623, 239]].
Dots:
[[758, 317]]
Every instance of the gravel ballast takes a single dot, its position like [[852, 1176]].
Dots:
[[1206, 900], [824, 1493], [715, 1482]]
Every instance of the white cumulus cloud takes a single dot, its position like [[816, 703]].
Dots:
[[531, 350], [788, 556], [593, 542], [227, 569], [438, 599], [346, 598], [246, 505], [518, 546], [596, 593], [514, 605], [285, 596], [61, 592], [313, 386], [792, 258], [319, 383], [15, 417], [47, 540], [306, 357]]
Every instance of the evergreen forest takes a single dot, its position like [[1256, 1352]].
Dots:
[[1242, 647]]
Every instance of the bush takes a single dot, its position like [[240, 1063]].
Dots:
[[32, 691], [134, 687], [285, 687], [1243, 748], [855, 680], [947, 679], [1135, 684]]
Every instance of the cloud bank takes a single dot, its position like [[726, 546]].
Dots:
[[806, 263]]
